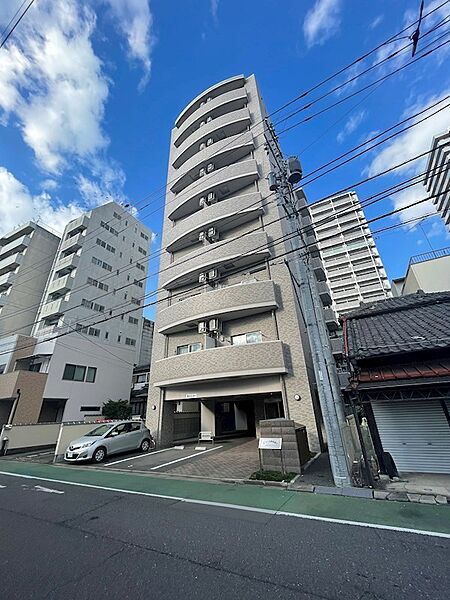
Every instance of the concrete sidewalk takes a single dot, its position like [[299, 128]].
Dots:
[[340, 509]]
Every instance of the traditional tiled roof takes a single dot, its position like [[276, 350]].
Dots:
[[399, 325]]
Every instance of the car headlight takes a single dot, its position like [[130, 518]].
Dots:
[[86, 445]]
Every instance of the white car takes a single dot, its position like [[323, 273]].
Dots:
[[110, 438]]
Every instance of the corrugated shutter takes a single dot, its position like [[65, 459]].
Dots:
[[417, 435]]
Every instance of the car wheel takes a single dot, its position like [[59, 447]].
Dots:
[[99, 455], [145, 445]]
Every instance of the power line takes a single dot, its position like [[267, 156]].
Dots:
[[5, 39]]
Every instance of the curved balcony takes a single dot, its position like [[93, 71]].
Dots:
[[231, 212], [215, 90], [226, 256], [249, 360], [222, 154], [223, 182], [222, 105], [218, 129], [232, 302]]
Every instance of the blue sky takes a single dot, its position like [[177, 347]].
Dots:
[[90, 90]]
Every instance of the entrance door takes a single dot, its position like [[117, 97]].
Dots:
[[417, 435]]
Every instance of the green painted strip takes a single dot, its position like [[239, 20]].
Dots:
[[394, 514]]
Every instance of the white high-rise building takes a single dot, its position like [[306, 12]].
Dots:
[[437, 178], [26, 258], [353, 266], [99, 272]]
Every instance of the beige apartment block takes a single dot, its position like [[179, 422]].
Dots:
[[228, 333]]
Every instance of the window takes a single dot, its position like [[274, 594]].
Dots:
[[105, 245], [138, 283], [93, 331], [100, 263], [90, 408], [254, 337], [142, 251], [119, 338], [91, 374], [2, 368], [92, 306], [106, 335], [74, 372], [135, 301], [98, 284], [117, 216], [109, 228], [130, 342], [144, 236], [133, 320], [189, 348], [140, 267]]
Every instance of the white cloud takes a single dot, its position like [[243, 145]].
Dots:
[[134, 20], [409, 144], [351, 125], [376, 22], [48, 185], [214, 4], [107, 186], [18, 205], [53, 84], [322, 21]]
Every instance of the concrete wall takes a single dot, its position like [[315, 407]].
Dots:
[[29, 436], [31, 387], [428, 276]]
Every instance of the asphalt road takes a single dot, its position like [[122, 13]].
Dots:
[[90, 544]]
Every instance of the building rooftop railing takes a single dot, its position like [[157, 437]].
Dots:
[[440, 253]]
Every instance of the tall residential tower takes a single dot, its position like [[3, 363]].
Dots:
[[353, 266], [437, 178], [228, 333]]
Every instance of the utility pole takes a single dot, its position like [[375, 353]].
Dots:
[[289, 173]]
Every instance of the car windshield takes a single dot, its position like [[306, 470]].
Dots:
[[99, 430]]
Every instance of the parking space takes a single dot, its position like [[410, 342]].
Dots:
[[227, 459]]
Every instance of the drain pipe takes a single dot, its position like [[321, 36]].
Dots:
[[14, 408]]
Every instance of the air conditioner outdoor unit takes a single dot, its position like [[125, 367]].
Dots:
[[209, 141], [210, 167], [202, 237], [202, 146], [212, 234], [212, 198], [214, 325], [203, 202], [213, 275], [202, 278], [202, 327]]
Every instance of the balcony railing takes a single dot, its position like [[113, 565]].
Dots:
[[67, 264], [6, 280], [17, 245], [231, 302], [225, 126], [221, 154], [231, 212], [418, 258], [72, 243], [200, 106], [80, 223], [10, 263], [226, 256], [57, 307], [224, 182], [63, 284], [249, 360]]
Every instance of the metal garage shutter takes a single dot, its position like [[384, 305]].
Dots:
[[417, 435]]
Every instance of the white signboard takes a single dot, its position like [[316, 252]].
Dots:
[[270, 443], [191, 396]]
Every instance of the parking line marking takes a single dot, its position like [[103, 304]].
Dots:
[[184, 458], [116, 462], [267, 511]]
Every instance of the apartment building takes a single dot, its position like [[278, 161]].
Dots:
[[146, 342], [99, 272], [228, 333], [141, 373], [353, 267], [437, 178], [427, 272], [26, 258]]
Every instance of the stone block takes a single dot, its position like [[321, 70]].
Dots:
[[440, 499], [357, 492], [398, 496], [330, 491], [425, 499], [413, 497], [380, 494]]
